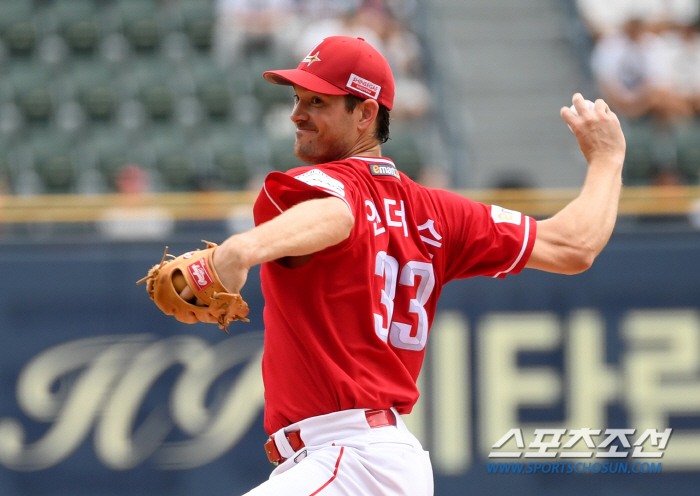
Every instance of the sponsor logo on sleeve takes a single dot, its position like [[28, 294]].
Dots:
[[503, 215], [384, 170], [364, 86], [200, 274], [320, 179]]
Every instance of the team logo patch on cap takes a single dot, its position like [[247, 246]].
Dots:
[[384, 170], [200, 274], [310, 59], [363, 86]]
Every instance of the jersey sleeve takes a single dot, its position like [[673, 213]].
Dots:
[[485, 240], [282, 191]]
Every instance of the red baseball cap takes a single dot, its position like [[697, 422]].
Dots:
[[342, 65]]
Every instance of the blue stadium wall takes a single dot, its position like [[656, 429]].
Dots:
[[101, 394]]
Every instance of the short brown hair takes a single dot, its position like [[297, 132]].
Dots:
[[383, 117]]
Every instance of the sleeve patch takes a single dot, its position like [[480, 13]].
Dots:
[[320, 179], [503, 215]]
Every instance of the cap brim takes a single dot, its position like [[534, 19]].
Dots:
[[311, 82]]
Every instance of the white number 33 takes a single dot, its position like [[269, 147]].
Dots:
[[398, 333]]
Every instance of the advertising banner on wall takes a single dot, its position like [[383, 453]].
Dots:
[[585, 384]]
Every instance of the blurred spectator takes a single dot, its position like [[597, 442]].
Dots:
[[134, 219], [132, 180], [249, 26], [682, 71], [352, 21], [603, 17], [629, 71], [606, 17]]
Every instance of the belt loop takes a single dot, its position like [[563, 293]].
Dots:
[[283, 445]]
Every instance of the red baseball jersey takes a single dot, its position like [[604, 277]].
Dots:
[[348, 329]]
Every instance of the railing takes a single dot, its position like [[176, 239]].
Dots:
[[540, 203]]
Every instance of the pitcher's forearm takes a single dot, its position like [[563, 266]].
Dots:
[[593, 213], [305, 228]]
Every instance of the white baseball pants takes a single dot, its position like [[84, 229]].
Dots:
[[343, 456]]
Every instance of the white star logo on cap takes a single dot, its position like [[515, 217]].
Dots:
[[310, 59]]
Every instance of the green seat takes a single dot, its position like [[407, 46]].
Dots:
[[5, 171], [269, 94], [229, 158], [92, 85], [159, 102], [14, 11], [29, 84], [173, 159], [82, 37], [640, 166], [112, 150], [282, 156], [403, 149], [138, 20], [20, 39], [36, 105], [216, 100], [76, 23], [688, 152], [215, 87], [198, 21], [54, 161], [143, 35], [144, 73]]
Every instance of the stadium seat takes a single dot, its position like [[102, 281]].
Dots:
[[138, 20], [92, 87], [30, 86], [53, 161], [20, 39], [82, 37], [228, 155], [172, 156], [111, 150], [159, 102], [216, 100], [14, 11], [268, 94], [146, 72], [403, 149], [75, 21], [688, 149], [198, 21], [282, 156], [639, 167], [215, 88], [5, 174]]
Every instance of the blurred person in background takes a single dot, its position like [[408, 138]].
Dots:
[[682, 71], [352, 20], [628, 68], [607, 17], [248, 26], [132, 180]]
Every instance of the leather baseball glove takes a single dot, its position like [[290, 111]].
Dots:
[[213, 303]]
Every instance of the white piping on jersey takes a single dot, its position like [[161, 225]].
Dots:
[[273, 201], [337, 196], [366, 159], [522, 250]]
